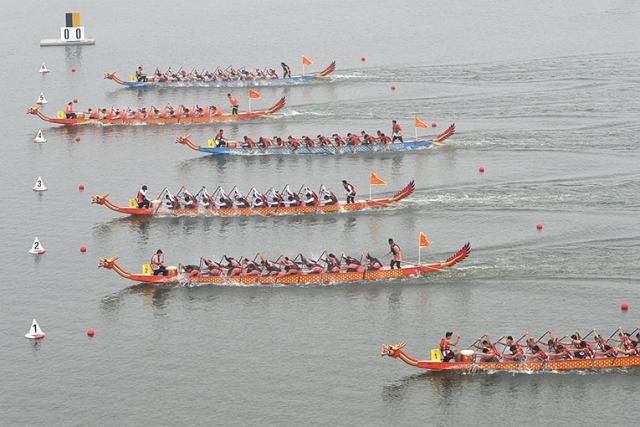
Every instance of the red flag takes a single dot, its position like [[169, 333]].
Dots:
[[423, 241], [420, 124], [306, 61], [374, 180], [253, 94]]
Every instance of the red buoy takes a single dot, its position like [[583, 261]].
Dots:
[[393, 87], [83, 249], [73, 70], [434, 124], [539, 227], [363, 59], [81, 187], [77, 139], [90, 332], [75, 100], [624, 306], [481, 169]]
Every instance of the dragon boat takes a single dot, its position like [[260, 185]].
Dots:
[[82, 120], [215, 82], [157, 208], [236, 147], [178, 274], [467, 365]]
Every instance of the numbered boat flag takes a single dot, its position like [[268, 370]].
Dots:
[[306, 61], [423, 242], [39, 185], [39, 137], [37, 248], [35, 333], [41, 99], [253, 94]]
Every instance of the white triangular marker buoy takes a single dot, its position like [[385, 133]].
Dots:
[[39, 185], [44, 69], [39, 137], [41, 99], [37, 248], [35, 333]]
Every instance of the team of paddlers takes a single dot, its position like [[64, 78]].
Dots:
[[220, 199], [283, 266], [575, 346], [222, 75], [152, 112], [335, 140]]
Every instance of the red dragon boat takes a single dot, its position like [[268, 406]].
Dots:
[[158, 209], [82, 120], [179, 275], [468, 366]]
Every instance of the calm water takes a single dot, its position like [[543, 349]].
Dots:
[[544, 95]]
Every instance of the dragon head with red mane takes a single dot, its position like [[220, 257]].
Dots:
[[392, 351], [107, 263]]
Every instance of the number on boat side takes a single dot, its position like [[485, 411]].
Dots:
[[72, 34], [132, 203], [210, 143], [60, 115], [146, 269], [436, 356]]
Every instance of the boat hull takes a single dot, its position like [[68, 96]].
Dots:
[[552, 365]]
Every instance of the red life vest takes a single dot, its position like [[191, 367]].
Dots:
[[351, 190], [354, 139], [140, 197], [396, 128], [218, 136], [68, 109], [233, 101]]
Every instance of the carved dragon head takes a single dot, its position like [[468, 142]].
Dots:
[[99, 199], [109, 75], [392, 350], [183, 139], [33, 110], [107, 262]]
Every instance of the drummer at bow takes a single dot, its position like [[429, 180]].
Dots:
[[448, 348]]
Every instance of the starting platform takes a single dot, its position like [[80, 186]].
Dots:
[[72, 34]]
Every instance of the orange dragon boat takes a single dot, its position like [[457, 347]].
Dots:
[[467, 365], [179, 274], [81, 119], [157, 208]]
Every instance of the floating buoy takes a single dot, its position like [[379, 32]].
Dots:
[[393, 88], [43, 69], [83, 249], [73, 70], [481, 169], [35, 333], [75, 100], [39, 185], [539, 227], [77, 139], [624, 306], [434, 124], [37, 248], [41, 99], [81, 187], [39, 137], [363, 59], [90, 332]]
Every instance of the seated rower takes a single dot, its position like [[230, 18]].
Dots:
[[353, 139], [384, 139], [189, 201], [223, 201], [312, 266], [353, 265], [290, 267], [627, 346], [213, 268], [233, 267], [270, 268], [140, 77], [488, 352], [272, 73], [191, 270], [215, 111], [68, 111], [219, 139], [537, 354], [308, 141], [206, 200], [141, 198], [293, 142], [274, 199], [170, 201], [560, 352], [604, 349], [279, 141], [327, 198], [290, 198], [448, 349], [367, 139], [338, 140], [250, 268], [240, 201], [264, 142], [373, 264], [260, 75], [310, 197], [516, 353], [323, 140], [333, 264], [249, 143], [258, 200]]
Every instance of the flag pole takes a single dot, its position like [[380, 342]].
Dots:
[[419, 251], [369, 188], [249, 103], [415, 117]]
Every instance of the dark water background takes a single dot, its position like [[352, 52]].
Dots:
[[544, 95]]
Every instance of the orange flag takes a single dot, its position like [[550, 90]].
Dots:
[[253, 94], [423, 241], [306, 61], [420, 124], [374, 180]]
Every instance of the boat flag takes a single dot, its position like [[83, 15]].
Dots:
[[423, 242], [254, 94], [41, 99], [37, 248], [420, 124], [374, 180], [39, 185], [306, 61], [35, 333], [39, 137]]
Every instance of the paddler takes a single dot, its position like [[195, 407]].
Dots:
[[396, 131], [233, 101], [353, 265], [373, 264], [292, 198], [219, 139], [68, 111], [290, 267], [286, 71], [271, 268], [327, 197], [141, 198], [396, 254], [308, 141], [190, 202], [312, 266], [139, 76], [338, 140], [604, 349], [258, 200], [157, 264], [250, 268], [233, 267], [353, 139], [214, 268], [350, 191], [333, 264], [448, 349], [323, 140], [384, 139], [249, 143], [311, 198], [293, 142]]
